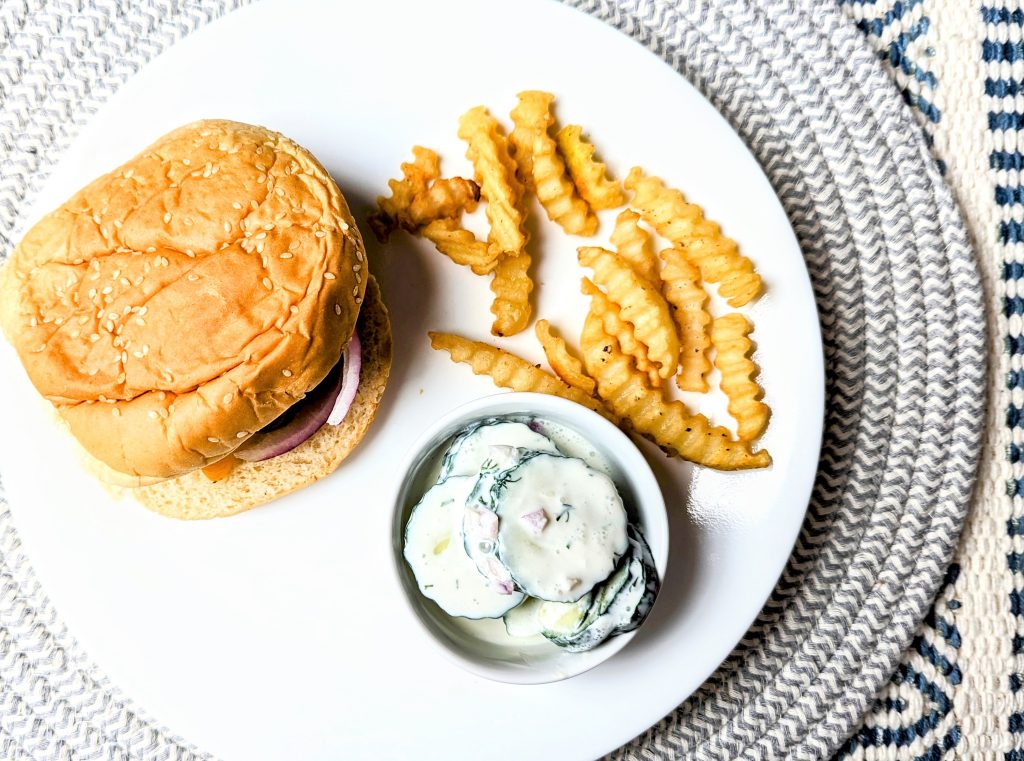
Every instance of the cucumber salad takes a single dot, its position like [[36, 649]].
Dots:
[[515, 528]]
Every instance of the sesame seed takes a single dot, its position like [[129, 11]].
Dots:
[[139, 321], [138, 354], [167, 217], [93, 371], [190, 253], [261, 179], [293, 246], [92, 294], [152, 414], [213, 439], [79, 260], [163, 413], [96, 218], [113, 316], [109, 326], [125, 282], [242, 434], [268, 226], [359, 299], [261, 167], [337, 309], [227, 227], [143, 310], [359, 255], [83, 319], [320, 234], [121, 377], [75, 333], [260, 245], [161, 396], [188, 221], [127, 310], [124, 356], [293, 309], [186, 162], [253, 204], [192, 277], [145, 351], [286, 373], [118, 224], [279, 191], [115, 412], [227, 398], [286, 255], [359, 278], [265, 261], [236, 205], [357, 267], [260, 236], [329, 276], [267, 284], [355, 292], [150, 250], [343, 226], [33, 322]]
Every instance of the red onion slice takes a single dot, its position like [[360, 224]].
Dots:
[[311, 413], [353, 361]]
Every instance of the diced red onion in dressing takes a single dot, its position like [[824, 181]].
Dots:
[[353, 365]]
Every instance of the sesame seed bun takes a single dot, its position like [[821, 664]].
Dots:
[[175, 306]]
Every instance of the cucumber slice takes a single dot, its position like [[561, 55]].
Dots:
[[434, 551], [492, 445], [522, 620], [553, 620], [561, 526], [622, 603]]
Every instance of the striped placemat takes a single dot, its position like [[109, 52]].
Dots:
[[900, 298]]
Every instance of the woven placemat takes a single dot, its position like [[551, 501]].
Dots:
[[902, 321]]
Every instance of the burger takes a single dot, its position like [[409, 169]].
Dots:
[[203, 320]]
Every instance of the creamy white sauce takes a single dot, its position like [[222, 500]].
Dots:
[[562, 526], [435, 553], [493, 446]]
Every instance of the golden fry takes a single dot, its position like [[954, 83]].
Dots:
[[421, 197], [688, 300], [589, 176], [731, 337], [461, 246], [683, 223], [622, 330], [566, 366], [446, 198], [531, 116], [510, 371], [542, 169], [633, 244], [511, 287], [668, 423], [495, 170], [641, 304]]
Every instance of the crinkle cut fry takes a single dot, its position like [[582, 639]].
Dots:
[[683, 223], [668, 423], [688, 300], [508, 370], [730, 335], [542, 169], [566, 366], [588, 175], [640, 303]]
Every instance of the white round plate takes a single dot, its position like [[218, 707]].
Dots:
[[280, 633]]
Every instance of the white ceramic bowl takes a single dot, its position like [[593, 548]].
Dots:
[[483, 647]]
